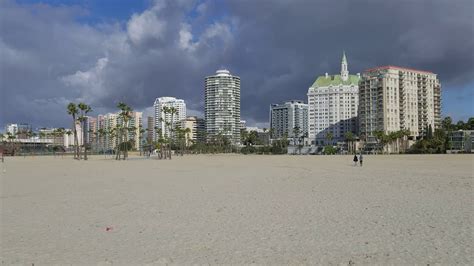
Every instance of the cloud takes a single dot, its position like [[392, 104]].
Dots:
[[145, 26], [277, 48]]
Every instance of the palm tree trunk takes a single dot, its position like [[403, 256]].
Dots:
[[76, 141], [84, 142]]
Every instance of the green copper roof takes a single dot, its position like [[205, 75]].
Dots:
[[335, 80]]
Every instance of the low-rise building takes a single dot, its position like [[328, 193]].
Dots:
[[461, 141]]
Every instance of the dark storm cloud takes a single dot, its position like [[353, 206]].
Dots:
[[284, 45], [277, 47]]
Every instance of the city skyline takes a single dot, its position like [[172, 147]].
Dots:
[[203, 36]]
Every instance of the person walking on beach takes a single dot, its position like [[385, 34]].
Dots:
[[360, 159], [355, 160]]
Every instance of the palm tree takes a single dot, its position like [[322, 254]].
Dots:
[[11, 137], [329, 137], [173, 111], [349, 136], [187, 131], [100, 138], [68, 133], [125, 115], [140, 137], [58, 133], [382, 139], [405, 133], [169, 128], [160, 142], [296, 134], [244, 136], [72, 110], [83, 119]]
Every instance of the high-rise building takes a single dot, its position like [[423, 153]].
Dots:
[[91, 130], [164, 122], [395, 98], [136, 122], [150, 129], [222, 106], [197, 128], [333, 101], [107, 130], [288, 117], [107, 124], [21, 130]]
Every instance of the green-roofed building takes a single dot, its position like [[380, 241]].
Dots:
[[332, 106]]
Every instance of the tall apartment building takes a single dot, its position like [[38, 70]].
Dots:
[[161, 118], [150, 129], [333, 101], [136, 122], [91, 129], [284, 118], [394, 98], [197, 128], [106, 124], [222, 106]]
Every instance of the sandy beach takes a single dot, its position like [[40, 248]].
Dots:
[[237, 209]]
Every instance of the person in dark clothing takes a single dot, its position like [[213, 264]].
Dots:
[[355, 160], [360, 159]]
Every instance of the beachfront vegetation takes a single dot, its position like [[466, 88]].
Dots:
[[84, 109], [122, 130], [73, 111], [438, 141]]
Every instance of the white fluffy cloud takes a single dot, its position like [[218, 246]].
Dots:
[[145, 26]]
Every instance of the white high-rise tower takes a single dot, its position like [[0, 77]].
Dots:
[[162, 118], [222, 106]]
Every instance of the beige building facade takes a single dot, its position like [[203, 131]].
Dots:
[[394, 98], [197, 128]]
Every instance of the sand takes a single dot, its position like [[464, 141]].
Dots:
[[237, 209]]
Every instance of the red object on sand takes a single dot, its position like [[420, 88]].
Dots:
[[109, 228]]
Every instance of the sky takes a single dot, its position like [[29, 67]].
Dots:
[[101, 52]]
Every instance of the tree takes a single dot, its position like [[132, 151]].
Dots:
[[84, 109], [140, 137], [470, 123], [382, 139], [460, 125], [270, 132], [447, 123], [329, 150], [296, 134], [349, 136], [329, 137], [125, 116], [58, 133], [101, 138], [429, 134], [405, 134], [72, 110], [11, 139]]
